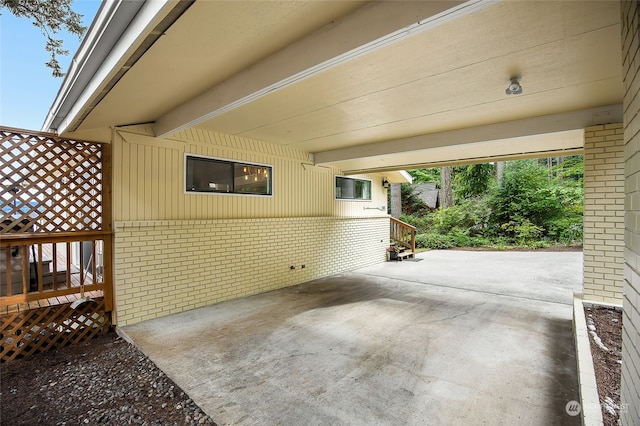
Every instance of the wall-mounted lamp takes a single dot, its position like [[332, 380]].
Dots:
[[385, 182], [514, 86]]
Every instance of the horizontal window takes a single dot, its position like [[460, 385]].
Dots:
[[352, 189], [205, 174]]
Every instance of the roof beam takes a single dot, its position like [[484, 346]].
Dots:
[[461, 162], [546, 124], [371, 27]]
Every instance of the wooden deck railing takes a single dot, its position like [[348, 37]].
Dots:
[[40, 266], [403, 234], [56, 241]]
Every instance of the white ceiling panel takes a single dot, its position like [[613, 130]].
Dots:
[[332, 75]]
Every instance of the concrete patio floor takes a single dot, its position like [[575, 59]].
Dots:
[[453, 337]]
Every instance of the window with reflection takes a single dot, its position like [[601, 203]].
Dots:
[[348, 188], [213, 175]]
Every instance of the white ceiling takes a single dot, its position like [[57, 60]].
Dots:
[[383, 85]]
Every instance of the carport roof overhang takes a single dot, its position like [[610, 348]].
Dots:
[[366, 86]]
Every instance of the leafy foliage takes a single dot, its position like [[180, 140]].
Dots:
[[431, 175], [50, 16], [434, 241], [526, 193], [422, 223], [536, 205], [570, 170], [411, 202], [522, 231], [474, 180]]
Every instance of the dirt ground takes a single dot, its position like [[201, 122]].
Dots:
[[607, 363], [103, 381]]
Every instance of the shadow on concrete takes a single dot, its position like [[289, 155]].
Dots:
[[365, 349], [564, 386]]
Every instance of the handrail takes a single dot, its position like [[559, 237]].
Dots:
[[403, 234], [50, 237], [38, 266]]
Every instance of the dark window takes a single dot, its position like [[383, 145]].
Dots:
[[214, 175], [352, 189]]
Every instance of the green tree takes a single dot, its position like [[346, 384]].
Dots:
[[473, 180], [430, 175], [570, 170], [50, 16], [526, 193], [411, 203]]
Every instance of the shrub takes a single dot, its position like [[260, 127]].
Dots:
[[523, 231], [444, 220], [423, 223], [526, 193], [434, 241], [566, 230], [460, 237], [457, 238]]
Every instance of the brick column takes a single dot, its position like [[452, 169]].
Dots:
[[603, 213], [630, 392]]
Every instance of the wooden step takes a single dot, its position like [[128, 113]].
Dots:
[[61, 276], [405, 254]]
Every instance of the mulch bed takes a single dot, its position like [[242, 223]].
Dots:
[[607, 363]]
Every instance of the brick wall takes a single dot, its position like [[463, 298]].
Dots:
[[604, 213], [630, 392], [164, 267]]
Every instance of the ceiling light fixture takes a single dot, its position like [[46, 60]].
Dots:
[[514, 86]]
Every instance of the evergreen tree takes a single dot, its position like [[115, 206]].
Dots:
[[473, 180]]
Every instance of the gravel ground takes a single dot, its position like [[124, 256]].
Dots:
[[103, 381]]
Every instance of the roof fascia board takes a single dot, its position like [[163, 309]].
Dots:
[[119, 28], [338, 43], [396, 176], [406, 175], [553, 123], [95, 46]]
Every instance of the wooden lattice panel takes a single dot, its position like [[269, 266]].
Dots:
[[49, 184], [38, 330]]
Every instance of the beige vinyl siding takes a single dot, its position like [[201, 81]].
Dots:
[[176, 251], [149, 180]]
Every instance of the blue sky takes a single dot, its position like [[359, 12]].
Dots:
[[27, 88]]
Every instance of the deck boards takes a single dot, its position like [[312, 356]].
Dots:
[[51, 301]]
